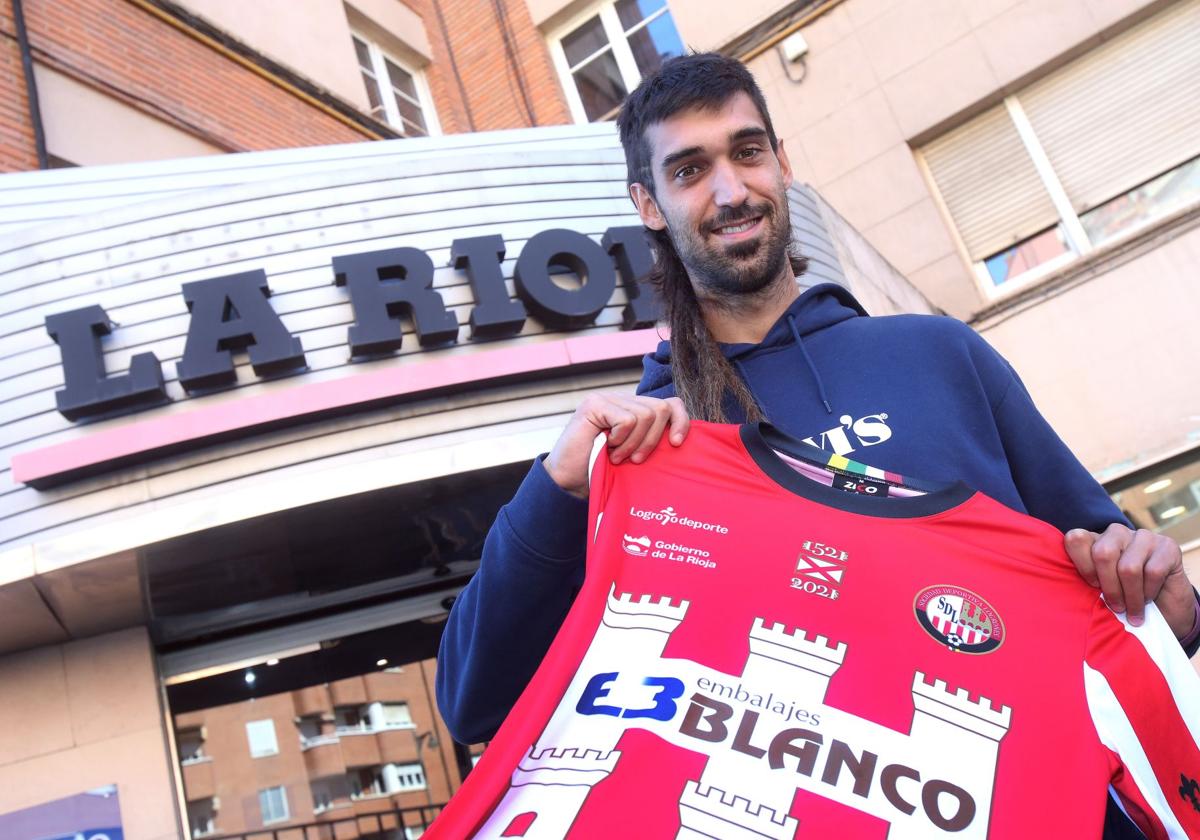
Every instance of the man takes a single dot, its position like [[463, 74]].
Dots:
[[924, 395]]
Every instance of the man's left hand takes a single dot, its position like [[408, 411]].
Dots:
[[1133, 568]]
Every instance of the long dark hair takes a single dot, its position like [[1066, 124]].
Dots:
[[704, 378]]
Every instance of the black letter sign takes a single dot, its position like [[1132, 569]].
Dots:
[[634, 259], [495, 313], [381, 284], [89, 391], [553, 305], [232, 313]]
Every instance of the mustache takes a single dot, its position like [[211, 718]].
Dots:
[[736, 215]]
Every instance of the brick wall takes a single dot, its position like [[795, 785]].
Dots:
[[17, 150], [472, 31], [125, 52]]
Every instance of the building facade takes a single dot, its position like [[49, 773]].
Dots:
[[225, 553]]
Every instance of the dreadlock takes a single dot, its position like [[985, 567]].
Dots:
[[704, 378]]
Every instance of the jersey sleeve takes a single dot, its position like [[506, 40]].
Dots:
[[1144, 699]]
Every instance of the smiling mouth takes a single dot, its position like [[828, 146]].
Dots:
[[739, 227]]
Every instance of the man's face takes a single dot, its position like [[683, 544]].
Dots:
[[720, 197]]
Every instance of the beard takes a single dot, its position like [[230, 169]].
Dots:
[[730, 272]]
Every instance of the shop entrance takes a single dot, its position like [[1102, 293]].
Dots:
[[337, 739], [297, 654]]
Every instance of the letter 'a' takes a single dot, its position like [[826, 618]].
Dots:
[[232, 313]]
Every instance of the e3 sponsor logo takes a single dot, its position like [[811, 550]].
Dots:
[[662, 701]]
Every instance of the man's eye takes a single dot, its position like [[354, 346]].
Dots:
[[749, 152], [686, 171]]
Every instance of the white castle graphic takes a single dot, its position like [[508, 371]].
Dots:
[[952, 744]]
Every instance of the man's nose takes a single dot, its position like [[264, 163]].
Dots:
[[727, 185]]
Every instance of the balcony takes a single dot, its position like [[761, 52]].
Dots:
[[323, 756], [348, 692], [198, 782], [360, 748], [373, 803], [398, 745], [337, 810], [313, 700], [387, 686]]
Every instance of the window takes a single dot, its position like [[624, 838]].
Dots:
[[409, 777], [261, 735], [397, 94], [273, 804], [326, 794], [1164, 498], [351, 719], [201, 817], [191, 745], [366, 781], [1096, 150], [384, 779], [310, 729], [603, 54], [396, 715]]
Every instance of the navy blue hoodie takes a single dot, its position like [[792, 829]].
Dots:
[[919, 395]]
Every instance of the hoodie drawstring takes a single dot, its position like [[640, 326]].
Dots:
[[808, 361]]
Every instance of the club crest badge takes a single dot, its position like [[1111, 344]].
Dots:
[[959, 619]]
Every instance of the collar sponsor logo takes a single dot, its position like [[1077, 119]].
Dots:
[[668, 516], [959, 619]]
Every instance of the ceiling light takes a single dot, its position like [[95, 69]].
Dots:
[[272, 661], [250, 678], [380, 663], [1172, 512], [1155, 486]]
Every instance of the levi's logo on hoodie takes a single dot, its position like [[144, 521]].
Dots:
[[851, 434]]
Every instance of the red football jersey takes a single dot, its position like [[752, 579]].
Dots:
[[758, 653]]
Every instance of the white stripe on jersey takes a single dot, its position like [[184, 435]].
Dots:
[[1160, 644], [1117, 734]]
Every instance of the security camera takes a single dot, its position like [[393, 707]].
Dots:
[[794, 47]]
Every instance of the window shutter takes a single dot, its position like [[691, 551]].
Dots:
[[1125, 112], [989, 184]]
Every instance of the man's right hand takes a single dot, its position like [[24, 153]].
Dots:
[[634, 426]]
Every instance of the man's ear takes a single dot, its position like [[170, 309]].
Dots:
[[647, 207], [785, 166]]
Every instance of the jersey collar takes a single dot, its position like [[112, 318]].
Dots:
[[762, 440]]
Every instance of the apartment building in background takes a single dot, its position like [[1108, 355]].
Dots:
[[363, 745], [271, 595]]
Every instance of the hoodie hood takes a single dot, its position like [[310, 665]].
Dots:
[[818, 307]]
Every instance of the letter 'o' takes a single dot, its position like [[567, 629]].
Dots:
[[553, 305]]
